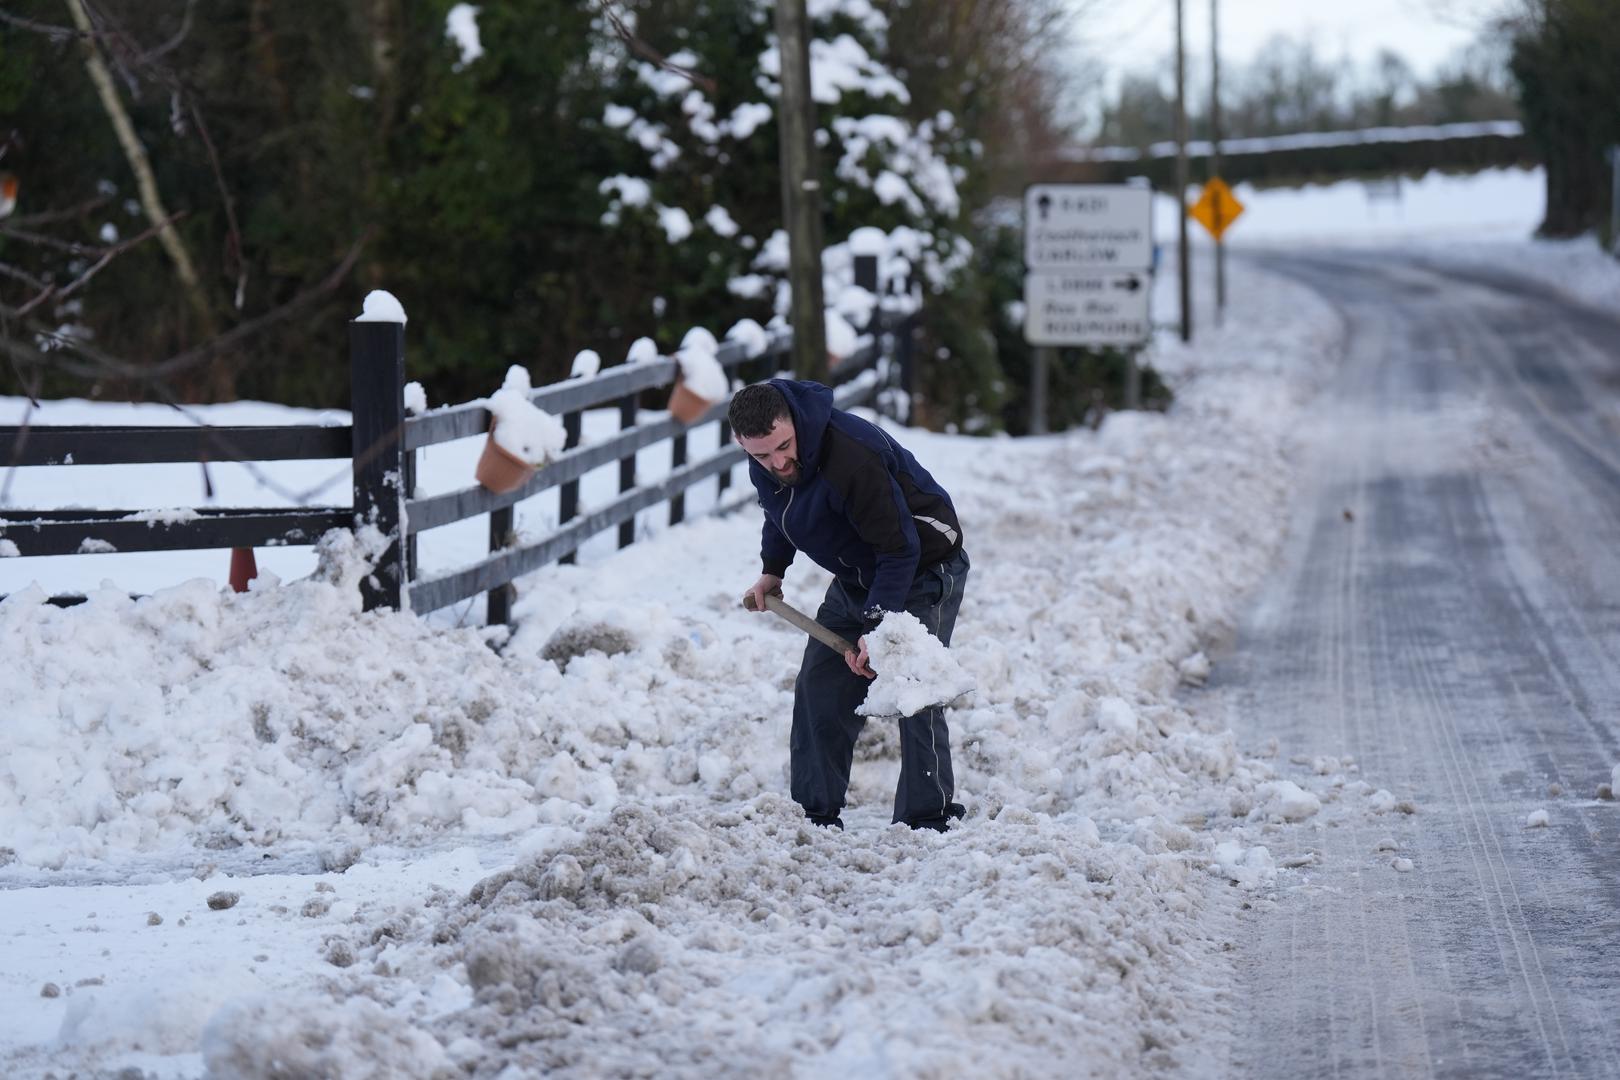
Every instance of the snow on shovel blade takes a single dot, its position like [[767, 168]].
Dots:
[[915, 671]]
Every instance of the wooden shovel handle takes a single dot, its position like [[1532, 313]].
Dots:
[[802, 621]]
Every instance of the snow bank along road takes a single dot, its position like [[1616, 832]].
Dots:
[[266, 835], [1447, 612]]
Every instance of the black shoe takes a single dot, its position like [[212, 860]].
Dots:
[[953, 811], [826, 822]]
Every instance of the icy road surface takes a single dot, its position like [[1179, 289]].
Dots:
[[1447, 611]]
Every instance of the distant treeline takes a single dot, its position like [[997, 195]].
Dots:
[[1291, 87], [1554, 64]]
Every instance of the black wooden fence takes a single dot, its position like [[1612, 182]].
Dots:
[[859, 379], [381, 444]]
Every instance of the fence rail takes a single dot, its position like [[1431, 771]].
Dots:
[[77, 444], [80, 531], [509, 561], [86, 532], [382, 443]]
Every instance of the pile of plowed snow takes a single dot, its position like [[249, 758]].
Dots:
[[668, 910]]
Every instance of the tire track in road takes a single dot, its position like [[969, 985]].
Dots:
[[1520, 961], [1463, 660]]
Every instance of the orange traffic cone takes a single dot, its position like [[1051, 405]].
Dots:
[[244, 568]]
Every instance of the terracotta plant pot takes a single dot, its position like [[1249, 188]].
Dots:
[[686, 406], [499, 469]]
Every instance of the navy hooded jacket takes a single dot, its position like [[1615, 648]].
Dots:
[[863, 508]]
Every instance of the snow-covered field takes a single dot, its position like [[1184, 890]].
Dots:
[[266, 835]]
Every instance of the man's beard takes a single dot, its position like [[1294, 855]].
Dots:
[[791, 476]]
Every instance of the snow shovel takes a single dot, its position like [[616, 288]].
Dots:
[[918, 697], [775, 603]]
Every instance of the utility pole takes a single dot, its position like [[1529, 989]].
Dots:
[[801, 191], [1215, 146], [1183, 252]]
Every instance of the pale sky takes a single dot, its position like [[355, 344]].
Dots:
[[1138, 34]]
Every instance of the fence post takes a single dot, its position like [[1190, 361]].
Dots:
[[724, 480], [409, 494], [627, 469], [866, 277], [904, 346], [568, 496], [677, 458], [377, 401], [498, 606], [866, 273]]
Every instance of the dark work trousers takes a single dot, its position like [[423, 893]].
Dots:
[[825, 697]]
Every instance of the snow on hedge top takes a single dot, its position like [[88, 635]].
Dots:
[[1304, 140], [838, 67], [521, 429], [747, 118], [664, 82], [462, 25], [720, 220], [911, 162], [629, 190], [381, 306], [676, 223], [871, 20]]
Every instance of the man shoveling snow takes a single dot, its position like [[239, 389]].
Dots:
[[845, 493]]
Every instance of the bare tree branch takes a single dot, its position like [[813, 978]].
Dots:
[[98, 364], [52, 292], [145, 182], [17, 274], [47, 217], [232, 453], [647, 52], [151, 56], [55, 33], [234, 230], [132, 60]]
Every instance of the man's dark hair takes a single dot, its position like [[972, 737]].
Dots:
[[756, 409]]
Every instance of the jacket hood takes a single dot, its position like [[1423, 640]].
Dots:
[[811, 405]]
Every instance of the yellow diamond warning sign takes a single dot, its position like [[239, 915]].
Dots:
[[1217, 207]]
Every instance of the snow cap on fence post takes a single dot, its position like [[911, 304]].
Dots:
[[377, 401], [381, 306]]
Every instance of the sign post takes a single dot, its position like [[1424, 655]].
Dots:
[[1088, 253], [1614, 198], [1215, 210]]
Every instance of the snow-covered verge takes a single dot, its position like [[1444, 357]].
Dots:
[[1499, 204], [657, 905], [1579, 268]]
